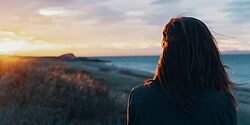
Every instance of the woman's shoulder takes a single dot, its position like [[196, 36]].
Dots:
[[140, 88], [147, 85], [146, 88]]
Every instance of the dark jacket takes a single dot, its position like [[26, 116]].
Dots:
[[149, 105]]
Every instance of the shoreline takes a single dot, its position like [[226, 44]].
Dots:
[[118, 81], [100, 68], [121, 80]]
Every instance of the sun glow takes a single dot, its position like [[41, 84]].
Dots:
[[10, 47]]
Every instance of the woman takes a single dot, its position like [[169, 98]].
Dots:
[[190, 85]]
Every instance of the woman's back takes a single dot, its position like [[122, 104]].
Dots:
[[149, 105], [190, 85]]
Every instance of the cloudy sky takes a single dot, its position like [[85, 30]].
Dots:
[[113, 27]]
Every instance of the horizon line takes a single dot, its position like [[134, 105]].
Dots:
[[16, 55]]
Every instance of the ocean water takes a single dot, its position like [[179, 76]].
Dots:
[[239, 65]]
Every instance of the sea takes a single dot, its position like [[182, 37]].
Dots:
[[239, 65]]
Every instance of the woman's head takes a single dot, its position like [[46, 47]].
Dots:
[[190, 60]]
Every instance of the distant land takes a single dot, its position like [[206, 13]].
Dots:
[[63, 57], [68, 56], [235, 52]]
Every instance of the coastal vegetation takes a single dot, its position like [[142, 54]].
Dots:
[[47, 92]]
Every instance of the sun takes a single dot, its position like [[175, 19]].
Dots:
[[10, 47]]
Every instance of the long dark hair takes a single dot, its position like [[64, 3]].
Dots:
[[190, 60]]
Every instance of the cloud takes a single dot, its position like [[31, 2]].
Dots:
[[233, 45], [162, 17], [238, 11], [137, 13], [11, 42], [98, 14], [68, 10], [103, 14], [54, 11], [159, 2], [118, 24]]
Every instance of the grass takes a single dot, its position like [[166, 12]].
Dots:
[[43, 92]]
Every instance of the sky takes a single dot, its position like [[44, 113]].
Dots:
[[113, 27]]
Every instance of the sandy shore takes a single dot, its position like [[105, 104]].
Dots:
[[121, 80]]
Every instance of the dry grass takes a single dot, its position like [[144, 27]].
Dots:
[[50, 93]]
